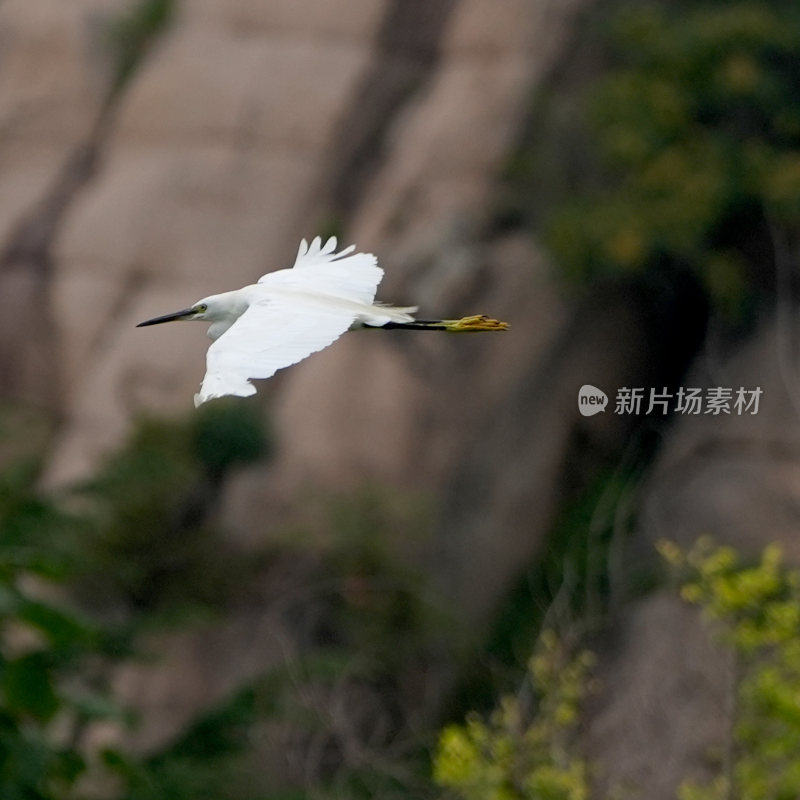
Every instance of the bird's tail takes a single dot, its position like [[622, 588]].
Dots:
[[478, 322]]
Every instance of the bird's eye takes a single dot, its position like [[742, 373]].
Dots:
[[201, 308]]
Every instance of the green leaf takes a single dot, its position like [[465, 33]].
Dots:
[[64, 630], [27, 685]]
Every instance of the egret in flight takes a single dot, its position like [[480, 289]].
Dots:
[[291, 313]]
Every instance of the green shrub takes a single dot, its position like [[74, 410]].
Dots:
[[523, 751], [755, 610], [683, 155]]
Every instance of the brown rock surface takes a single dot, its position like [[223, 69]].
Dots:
[[221, 157], [50, 92], [51, 96]]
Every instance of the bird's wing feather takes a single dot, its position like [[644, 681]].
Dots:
[[317, 267], [318, 253], [273, 333]]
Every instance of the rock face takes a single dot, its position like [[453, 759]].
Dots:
[[249, 125], [50, 106]]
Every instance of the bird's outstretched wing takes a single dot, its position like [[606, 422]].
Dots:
[[273, 333], [348, 275]]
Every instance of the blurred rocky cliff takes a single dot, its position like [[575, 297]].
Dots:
[[135, 182]]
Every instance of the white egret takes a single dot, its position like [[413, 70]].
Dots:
[[291, 313]]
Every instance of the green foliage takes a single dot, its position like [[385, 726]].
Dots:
[[689, 147], [519, 754], [205, 761], [43, 644], [528, 749], [756, 610], [148, 543], [571, 580], [336, 706], [133, 32], [373, 640], [227, 434], [136, 534], [379, 608], [136, 547]]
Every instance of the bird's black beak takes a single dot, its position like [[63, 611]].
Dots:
[[187, 313]]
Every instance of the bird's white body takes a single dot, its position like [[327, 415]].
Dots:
[[291, 313], [287, 315], [226, 308]]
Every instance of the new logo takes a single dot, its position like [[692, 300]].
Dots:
[[591, 400]]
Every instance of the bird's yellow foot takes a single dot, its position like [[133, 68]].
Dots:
[[479, 322]]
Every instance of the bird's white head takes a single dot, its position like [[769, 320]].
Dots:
[[213, 308]]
